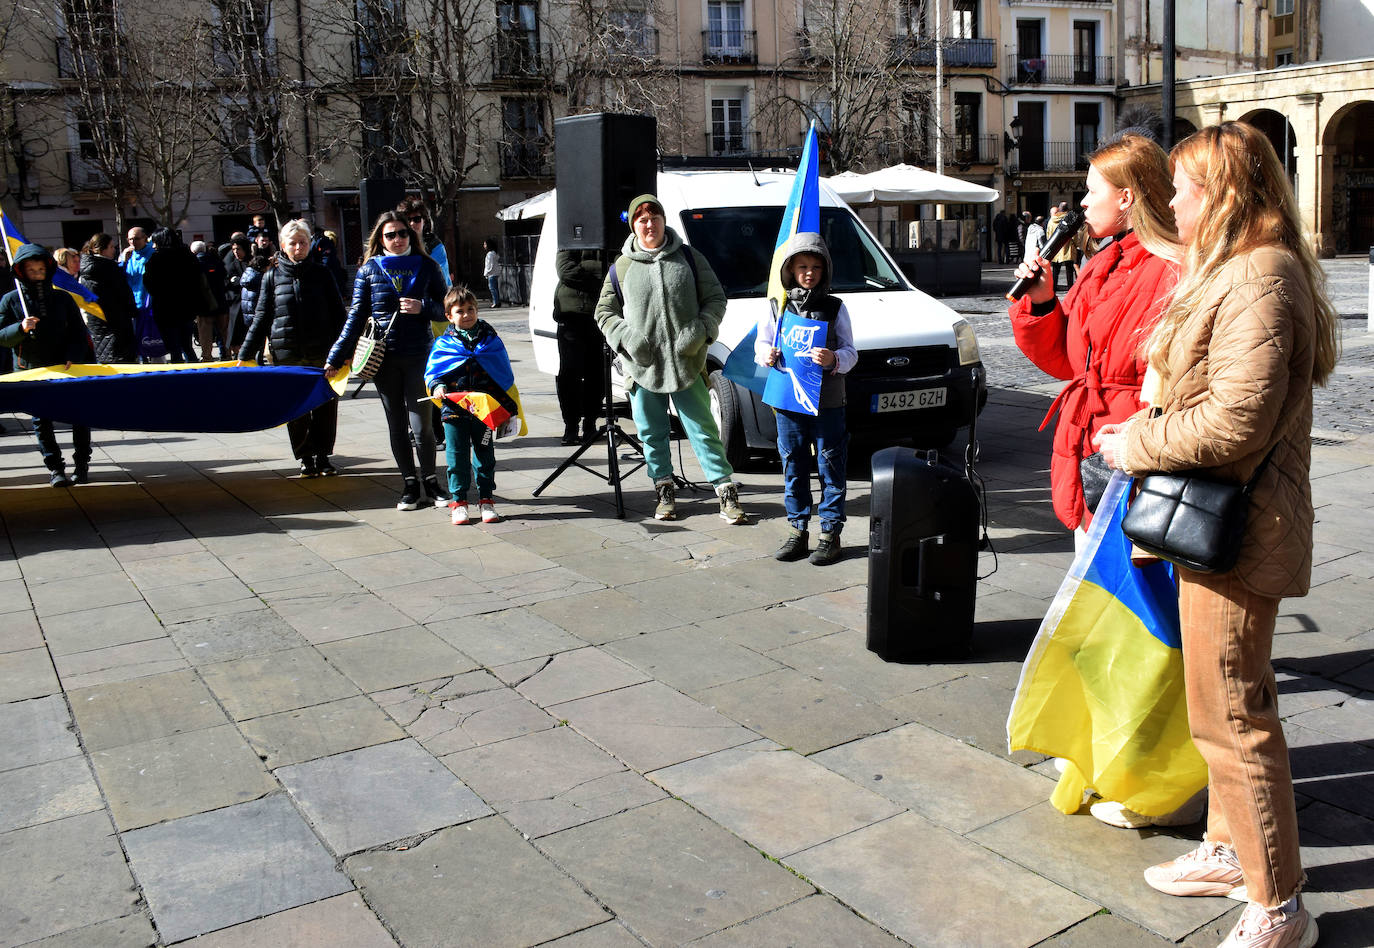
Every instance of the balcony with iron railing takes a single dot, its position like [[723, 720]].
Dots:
[[729, 47], [908, 50], [1064, 70], [734, 143], [630, 44], [526, 157], [517, 54], [86, 174], [966, 150], [1049, 156]]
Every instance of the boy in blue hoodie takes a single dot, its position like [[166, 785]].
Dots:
[[805, 274], [470, 357], [43, 327]]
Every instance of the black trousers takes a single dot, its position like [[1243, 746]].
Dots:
[[400, 384], [312, 434], [581, 379]]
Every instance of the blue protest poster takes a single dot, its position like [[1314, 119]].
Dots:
[[402, 271], [795, 382]]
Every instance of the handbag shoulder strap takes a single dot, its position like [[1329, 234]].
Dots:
[[1249, 487]]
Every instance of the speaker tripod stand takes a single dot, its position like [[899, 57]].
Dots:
[[611, 433]]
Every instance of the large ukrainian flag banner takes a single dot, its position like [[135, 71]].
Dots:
[[801, 216], [85, 299], [1102, 686]]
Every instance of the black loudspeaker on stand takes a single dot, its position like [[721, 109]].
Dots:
[[602, 160], [923, 554]]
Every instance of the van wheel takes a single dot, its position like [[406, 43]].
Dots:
[[725, 410]]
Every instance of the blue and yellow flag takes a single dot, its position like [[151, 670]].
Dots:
[[189, 397], [1102, 687], [85, 299], [801, 216]]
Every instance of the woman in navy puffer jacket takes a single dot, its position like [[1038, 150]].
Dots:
[[402, 290]]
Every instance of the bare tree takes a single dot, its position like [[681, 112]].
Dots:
[[611, 61], [416, 75], [858, 81], [259, 99]]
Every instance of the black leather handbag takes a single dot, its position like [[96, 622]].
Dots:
[[1191, 521]]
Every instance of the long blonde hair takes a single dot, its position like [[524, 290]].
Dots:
[[1247, 202], [1136, 162]]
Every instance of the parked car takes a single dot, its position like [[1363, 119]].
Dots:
[[914, 381]]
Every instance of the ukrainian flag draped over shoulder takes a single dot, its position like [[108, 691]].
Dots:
[[61, 279], [503, 415], [801, 216], [1102, 687]]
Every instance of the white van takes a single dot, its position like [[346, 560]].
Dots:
[[915, 378]]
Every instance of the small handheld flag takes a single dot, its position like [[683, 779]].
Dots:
[[84, 298]]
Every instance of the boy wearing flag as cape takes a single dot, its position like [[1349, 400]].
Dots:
[[812, 334], [470, 372]]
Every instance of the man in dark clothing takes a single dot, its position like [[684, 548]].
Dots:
[[43, 327], [235, 262], [1000, 225], [581, 379], [214, 325], [177, 288]]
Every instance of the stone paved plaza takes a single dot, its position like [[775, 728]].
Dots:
[[253, 710]]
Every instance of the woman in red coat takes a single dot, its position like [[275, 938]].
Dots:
[[1093, 338]]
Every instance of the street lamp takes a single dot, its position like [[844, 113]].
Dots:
[[1012, 141]]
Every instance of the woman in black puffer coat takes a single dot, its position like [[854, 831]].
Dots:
[[299, 311], [113, 337]]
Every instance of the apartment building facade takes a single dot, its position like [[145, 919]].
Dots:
[[1009, 93]]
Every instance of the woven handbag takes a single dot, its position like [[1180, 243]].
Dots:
[[370, 351], [1191, 521]]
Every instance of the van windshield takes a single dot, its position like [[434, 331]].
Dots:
[[739, 242]]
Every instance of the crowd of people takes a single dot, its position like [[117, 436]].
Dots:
[[1190, 341]]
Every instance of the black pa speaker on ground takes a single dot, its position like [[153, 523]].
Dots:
[[922, 558], [376, 195], [602, 160]]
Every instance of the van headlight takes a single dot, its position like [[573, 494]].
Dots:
[[967, 343]]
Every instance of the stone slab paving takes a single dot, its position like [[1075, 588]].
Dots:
[[569, 729], [216, 869]]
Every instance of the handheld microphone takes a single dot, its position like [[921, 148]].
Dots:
[[1064, 233]]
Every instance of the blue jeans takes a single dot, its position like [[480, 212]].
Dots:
[[470, 450], [494, 284], [797, 432], [693, 404]]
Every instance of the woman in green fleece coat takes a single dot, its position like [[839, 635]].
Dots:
[[660, 310]]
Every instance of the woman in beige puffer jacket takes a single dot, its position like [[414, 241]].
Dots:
[[1247, 335]]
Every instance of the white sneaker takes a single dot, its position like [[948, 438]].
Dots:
[[489, 514], [1114, 814], [460, 515], [1288, 926]]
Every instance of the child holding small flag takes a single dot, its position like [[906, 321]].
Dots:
[[470, 371], [814, 327]]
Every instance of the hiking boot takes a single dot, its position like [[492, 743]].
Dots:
[[489, 514], [794, 547], [437, 494], [323, 466], [667, 500], [827, 550], [1114, 814], [460, 514], [410, 497], [59, 479], [308, 468], [1288, 926], [569, 435], [730, 510], [1211, 869]]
